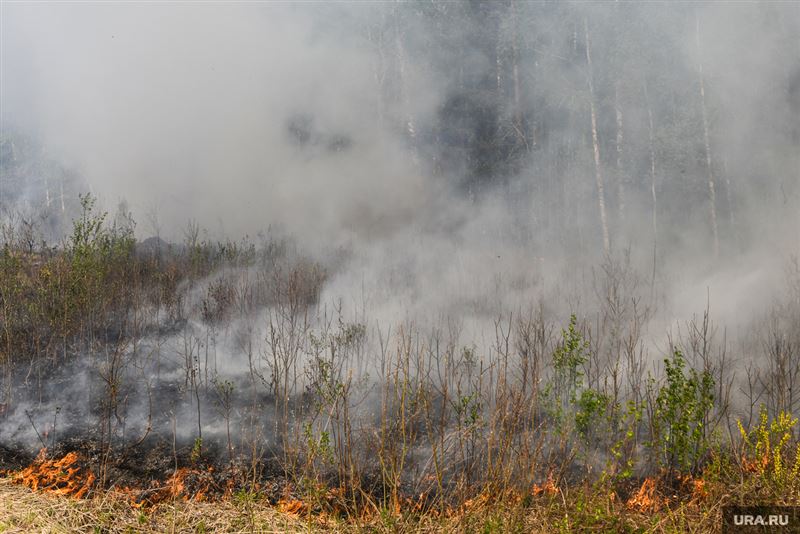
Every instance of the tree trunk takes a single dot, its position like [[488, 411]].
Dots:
[[651, 138], [408, 117], [620, 177], [518, 126], [379, 75], [498, 69], [731, 210], [598, 174], [712, 195]]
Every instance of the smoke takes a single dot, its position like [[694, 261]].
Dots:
[[445, 147], [185, 111]]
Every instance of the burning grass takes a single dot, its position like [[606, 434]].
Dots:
[[646, 499], [64, 476], [185, 484], [579, 508], [62, 494], [22, 510], [71, 475], [144, 491]]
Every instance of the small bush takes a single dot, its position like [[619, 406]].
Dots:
[[680, 413]]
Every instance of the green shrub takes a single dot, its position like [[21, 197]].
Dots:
[[568, 358], [592, 406], [680, 413]]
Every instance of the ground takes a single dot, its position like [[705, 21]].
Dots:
[[577, 510]]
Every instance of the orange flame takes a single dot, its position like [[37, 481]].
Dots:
[[549, 487], [61, 477], [292, 506], [66, 476], [756, 465], [699, 490], [186, 484], [646, 499]]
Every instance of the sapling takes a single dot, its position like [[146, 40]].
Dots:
[[224, 394]]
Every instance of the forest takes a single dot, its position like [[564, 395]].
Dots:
[[430, 266]]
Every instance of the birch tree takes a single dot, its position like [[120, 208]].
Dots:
[[598, 173], [712, 195]]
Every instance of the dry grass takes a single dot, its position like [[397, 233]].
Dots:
[[582, 509], [22, 510]]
